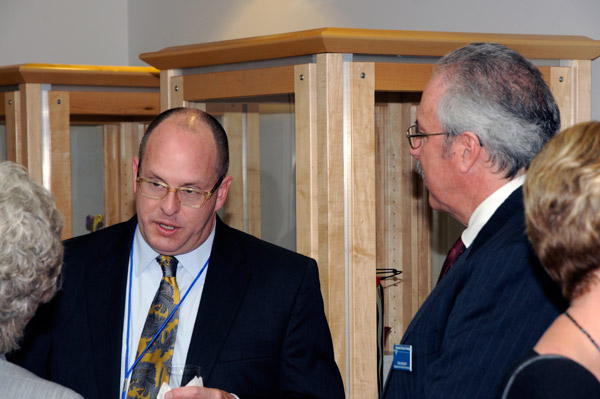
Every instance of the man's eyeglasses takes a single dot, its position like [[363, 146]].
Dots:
[[188, 196], [415, 138]]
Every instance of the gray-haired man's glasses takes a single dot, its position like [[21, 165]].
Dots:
[[415, 138]]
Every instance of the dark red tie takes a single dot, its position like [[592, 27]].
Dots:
[[457, 249]]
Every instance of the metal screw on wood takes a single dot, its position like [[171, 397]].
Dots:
[[9, 102], [176, 88], [363, 75], [561, 79], [58, 101], [301, 77]]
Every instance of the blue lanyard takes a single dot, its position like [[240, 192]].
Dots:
[[130, 370]]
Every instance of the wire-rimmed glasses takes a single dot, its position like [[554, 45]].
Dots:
[[188, 196], [415, 138]]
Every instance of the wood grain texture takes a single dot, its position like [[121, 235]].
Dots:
[[59, 143], [561, 85], [233, 210], [252, 184], [112, 174], [330, 163], [581, 82], [362, 235], [307, 237], [114, 104], [31, 129], [245, 83], [16, 151]]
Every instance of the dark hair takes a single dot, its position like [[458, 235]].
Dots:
[[213, 124], [500, 96], [562, 207]]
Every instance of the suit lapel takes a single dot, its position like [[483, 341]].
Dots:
[[223, 292], [106, 282], [507, 210]]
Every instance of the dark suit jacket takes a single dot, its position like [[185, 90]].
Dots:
[[490, 309], [260, 331]]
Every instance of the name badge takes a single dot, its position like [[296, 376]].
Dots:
[[402, 357]]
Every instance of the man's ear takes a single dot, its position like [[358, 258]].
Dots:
[[469, 150], [222, 192]]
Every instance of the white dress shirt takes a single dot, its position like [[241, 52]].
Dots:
[[146, 278], [486, 209]]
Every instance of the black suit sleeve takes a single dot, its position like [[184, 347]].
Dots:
[[307, 354]]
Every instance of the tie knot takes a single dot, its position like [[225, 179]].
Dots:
[[168, 264]]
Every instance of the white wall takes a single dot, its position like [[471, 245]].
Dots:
[[64, 32]]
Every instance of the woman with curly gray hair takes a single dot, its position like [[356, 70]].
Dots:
[[30, 262]]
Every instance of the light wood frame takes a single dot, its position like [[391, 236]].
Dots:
[[361, 204], [42, 101]]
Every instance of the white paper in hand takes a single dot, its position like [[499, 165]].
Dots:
[[164, 388]]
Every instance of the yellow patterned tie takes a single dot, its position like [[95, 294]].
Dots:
[[150, 372]]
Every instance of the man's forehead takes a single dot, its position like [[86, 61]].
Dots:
[[432, 95], [188, 121]]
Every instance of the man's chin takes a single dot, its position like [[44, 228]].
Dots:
[[163, 245]]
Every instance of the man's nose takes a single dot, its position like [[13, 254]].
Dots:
[[170, 203]]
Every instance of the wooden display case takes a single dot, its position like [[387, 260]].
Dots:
[[359, 206], [41, 103]]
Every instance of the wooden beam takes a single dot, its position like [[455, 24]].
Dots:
[[560, 84], [233, 211], [111, 104], [32, 130], [58, 148], [253, 183], [307, 237], [402, 77], [364, 41], [112, 175], [16, 149], [235, 84], [360, 186], [330, 163], [80, 75], [581, 82]]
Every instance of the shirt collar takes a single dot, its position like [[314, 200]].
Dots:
[[191, 261], [486, 209]]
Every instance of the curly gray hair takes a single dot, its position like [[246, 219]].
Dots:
[[31, 251]]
